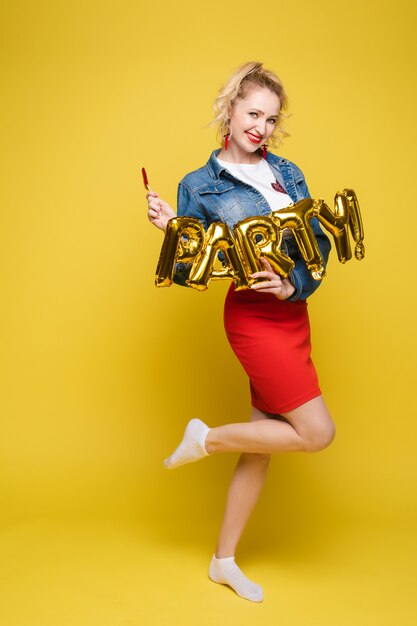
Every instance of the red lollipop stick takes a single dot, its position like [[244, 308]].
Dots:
[[145, 179]]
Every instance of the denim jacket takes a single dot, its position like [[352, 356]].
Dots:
[[212, 194]]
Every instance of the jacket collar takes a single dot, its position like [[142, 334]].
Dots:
[[215, 168]]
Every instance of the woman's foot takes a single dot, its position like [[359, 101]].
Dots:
[[226, 572], [192, 446]]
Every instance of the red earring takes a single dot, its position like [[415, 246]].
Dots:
[[226, 141], [264, 147]]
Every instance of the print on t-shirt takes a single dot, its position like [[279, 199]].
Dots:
[[278, 187]]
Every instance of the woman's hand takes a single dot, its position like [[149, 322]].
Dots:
[[280, 287], [159, 211]]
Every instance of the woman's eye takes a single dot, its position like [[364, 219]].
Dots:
[[253, 114], [272, 121]]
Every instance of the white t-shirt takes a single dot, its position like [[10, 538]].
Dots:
[[261, 177]]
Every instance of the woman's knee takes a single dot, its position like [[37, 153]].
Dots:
[[320, 438]]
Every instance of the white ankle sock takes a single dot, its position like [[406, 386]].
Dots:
[[192, 445], [226, 571]]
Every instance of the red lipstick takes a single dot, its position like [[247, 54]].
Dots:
[[254, 138]]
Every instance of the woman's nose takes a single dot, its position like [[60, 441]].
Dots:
[[260, 127]]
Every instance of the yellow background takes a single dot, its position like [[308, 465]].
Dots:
[[100, 370]]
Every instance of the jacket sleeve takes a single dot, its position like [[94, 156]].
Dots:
[[300, 276], [187, 206]]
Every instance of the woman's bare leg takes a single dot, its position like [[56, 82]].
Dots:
[[308, 428], [245, 488]]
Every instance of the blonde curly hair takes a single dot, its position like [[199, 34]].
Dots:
[[246, 76]]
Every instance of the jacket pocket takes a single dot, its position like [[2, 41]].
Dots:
[[222, 203]]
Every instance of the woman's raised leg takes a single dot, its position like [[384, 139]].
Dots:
[[308, 428]]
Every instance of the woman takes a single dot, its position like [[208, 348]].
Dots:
[[267, 325]]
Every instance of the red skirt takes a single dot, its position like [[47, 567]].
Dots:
[[271, 339]]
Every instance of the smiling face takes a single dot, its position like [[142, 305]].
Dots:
[[252, 121]]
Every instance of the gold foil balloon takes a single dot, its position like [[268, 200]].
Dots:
[[297, 217], [346, 214], [260, 237], [218, 238], [355, 223], [256, 237], [184, 238], [336, 223]]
